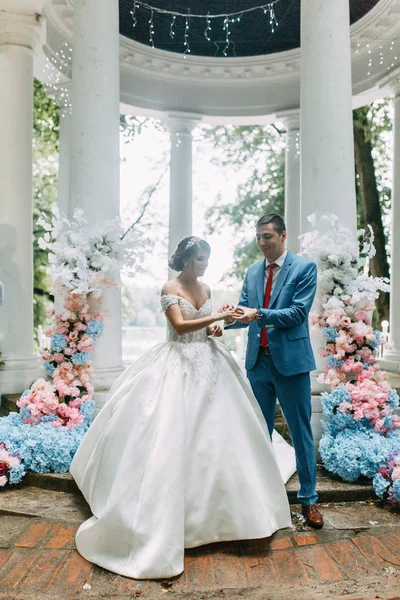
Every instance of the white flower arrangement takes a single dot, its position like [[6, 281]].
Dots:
[[83, 256], [336, 251]]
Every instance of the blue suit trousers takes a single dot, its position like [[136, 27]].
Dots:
[[294, 394]]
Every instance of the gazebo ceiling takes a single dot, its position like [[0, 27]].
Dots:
[[251, 36]]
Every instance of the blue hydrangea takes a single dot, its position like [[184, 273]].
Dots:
[[354, 452], [43, 448], [396, 489], [334, 362], [393, 399], [330, 333], [49, 367], [16, 474], [58, 342], [380, 485], [375, 342], [330, 401], [95, 328], [81, 358]]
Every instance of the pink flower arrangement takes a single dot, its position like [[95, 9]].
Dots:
[[71, 385], [350, 342], [370, 399]]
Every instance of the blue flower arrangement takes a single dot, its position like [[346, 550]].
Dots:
[[43, 448]]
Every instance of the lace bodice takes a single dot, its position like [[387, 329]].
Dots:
[[189, 313]]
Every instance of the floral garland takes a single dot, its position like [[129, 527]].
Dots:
[[54, 416], [361, 429]]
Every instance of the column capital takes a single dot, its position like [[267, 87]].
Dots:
[[20, 29], [179, 122], [290, 118]]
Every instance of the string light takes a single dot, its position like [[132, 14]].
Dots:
[[58, 65], [186, 39], [228, 18], [171, 29], [384, 55], [207, 29], [151, 29], [133, 14]]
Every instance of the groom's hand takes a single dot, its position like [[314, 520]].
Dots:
[[225, 307], [249, 314]]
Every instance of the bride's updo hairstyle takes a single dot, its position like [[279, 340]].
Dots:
[[186, 251]]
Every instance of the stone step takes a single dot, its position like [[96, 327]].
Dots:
[[329, 487], [9, 402]]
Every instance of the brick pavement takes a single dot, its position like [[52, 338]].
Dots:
[[41, 559]]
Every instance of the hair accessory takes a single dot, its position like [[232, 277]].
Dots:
[[191, 242]]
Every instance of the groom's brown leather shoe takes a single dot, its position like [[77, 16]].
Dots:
[[312, 516]]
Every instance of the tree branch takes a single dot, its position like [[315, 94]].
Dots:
[[150, 194]]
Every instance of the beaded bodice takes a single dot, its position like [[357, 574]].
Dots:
[[189, 312]]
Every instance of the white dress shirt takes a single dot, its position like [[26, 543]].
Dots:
[[279, 264]]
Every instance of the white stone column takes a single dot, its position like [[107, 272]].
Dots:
[[180, 195], [326, 133], [94, 167], [19, 34], [327, 151], [291, 120], [391, 358]]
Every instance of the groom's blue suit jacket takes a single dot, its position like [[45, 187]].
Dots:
[[286, 318]]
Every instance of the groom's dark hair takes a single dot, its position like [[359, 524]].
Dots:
[[276, 220]]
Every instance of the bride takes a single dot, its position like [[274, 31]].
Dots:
[[180, 455]]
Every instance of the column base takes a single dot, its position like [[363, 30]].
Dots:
[[390, 361], [18, 374]]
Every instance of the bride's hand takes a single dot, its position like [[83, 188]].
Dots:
[[227, 315], [230, 308], [215, 330]]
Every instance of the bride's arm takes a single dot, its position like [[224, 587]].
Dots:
[[174, 316]]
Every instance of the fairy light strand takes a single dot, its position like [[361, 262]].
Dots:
[[228, 19]]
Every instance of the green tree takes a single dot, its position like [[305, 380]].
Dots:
[[46, 127], [371, 125], [259, 151]]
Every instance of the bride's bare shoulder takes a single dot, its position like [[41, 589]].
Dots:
[[170, 287]]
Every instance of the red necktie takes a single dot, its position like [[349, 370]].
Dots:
[[267, 297]]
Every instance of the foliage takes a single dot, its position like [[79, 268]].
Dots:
[[259, 152], [46, 127]]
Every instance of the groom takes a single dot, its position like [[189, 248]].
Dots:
[[276, 298]]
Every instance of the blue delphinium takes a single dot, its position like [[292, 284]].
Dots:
[[81, 358], [58, 342], [95, 328], [330, 333]]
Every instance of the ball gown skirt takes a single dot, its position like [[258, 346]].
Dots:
[[179, 456]]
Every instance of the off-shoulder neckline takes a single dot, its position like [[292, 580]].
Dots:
[[187, 301]]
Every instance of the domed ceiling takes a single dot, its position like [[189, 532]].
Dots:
[[251, 36]]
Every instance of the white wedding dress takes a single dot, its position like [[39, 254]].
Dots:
[[178, 457]]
